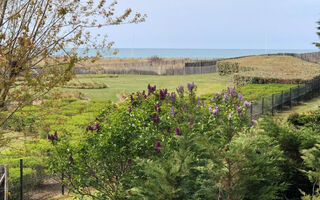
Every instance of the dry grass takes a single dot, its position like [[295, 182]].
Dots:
[[278, 67]]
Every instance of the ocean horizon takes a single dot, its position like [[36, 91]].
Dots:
[[193, 53]]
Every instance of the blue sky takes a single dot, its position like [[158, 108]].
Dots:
[[220, 24]]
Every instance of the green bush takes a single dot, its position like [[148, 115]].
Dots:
[[226, 68], [170, 146]]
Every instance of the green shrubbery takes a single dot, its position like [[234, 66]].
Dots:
[[171, 146], [226, 68]]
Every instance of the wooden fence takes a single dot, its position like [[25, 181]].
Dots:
[[4, 186]]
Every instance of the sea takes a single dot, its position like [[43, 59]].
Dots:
[[193, 53]]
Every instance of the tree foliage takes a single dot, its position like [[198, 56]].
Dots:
[[318, 33], [33, 33]]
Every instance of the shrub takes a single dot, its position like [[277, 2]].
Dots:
[[226, 68], [161, 145]]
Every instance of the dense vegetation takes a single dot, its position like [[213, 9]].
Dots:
[[160, 145]]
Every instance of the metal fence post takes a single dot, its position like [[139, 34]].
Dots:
[[272, 107], [62, 186], [262, 111], [21, 179], [281, 100], [290, 101]]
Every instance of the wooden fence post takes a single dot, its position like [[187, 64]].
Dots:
[[62, 186], [6, 182], [281, 105]]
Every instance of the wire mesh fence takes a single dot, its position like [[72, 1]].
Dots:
[[27, 178], [277, 101]]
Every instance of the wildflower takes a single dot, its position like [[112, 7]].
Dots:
[[144, 94], [163, 94], [173, 97], [240, 96], [172, 111], [239, 109], [151, 89], [155, 118], [129, 109], [178, 131], [226, 95], [97, 119], [70, 159], [157, 146], [190, 86], [198, 102], [129, 161], [233, 92], [97, 127], [169, 130], [53, 137], [183, 107], [180, 89], [254, 121], [247, 104], [90, 128], [157, 107], [210, 108], [191, 122], [230, 115], [215, 111]]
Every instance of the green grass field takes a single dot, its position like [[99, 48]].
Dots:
[[117, 85]]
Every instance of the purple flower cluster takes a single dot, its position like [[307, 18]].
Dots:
[[191, 123], [216, 110], [95, 127], [240, 96], [178, 131], [155, 118], [157, 107], [180, 89], [129, 109], [53, 137], [172, 111], [247, 104], [173, 97], [190, 86], [157, 146], [163, 94], [71, 159], [239, 109], [151, 89]]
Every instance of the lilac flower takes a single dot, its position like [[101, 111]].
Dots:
[[216, 110], [173, 97], [157, 107], [239, 109], [254, 121], [233, 92], [172, 111], [163, 94], [90, 128], [247, 104], [191, 122], [53, 137], [129, 109], [226, 95], [157, 146], [190, 86], [240, 96], [230, 115], [151, 89], [198, 102], [155, 118], [97, 127], [180, 89], [178, 131]]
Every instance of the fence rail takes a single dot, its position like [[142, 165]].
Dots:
[[277, 101]]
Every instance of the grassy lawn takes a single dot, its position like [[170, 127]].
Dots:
[[254, 92], [207, 83]]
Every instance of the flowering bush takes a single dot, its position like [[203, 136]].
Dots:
[[161, 145]]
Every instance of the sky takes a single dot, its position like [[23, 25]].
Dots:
[[220, 24]]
